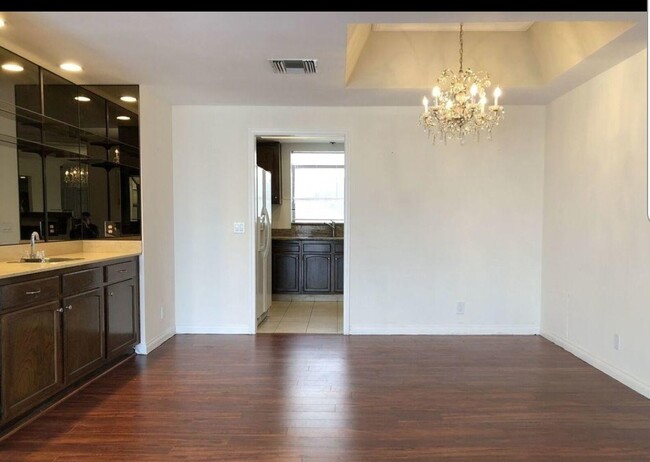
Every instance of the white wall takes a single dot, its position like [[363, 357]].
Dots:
[[157, 262], [282, 212], [430, 226], [596, 251]]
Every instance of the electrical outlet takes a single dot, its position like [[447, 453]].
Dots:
[[162, 312], [239, 228], [460, 308], [617, 342]]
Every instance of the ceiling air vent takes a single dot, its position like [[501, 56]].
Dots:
[[294, 66]]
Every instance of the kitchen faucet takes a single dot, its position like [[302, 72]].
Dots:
[[32, 243], [332, 224]]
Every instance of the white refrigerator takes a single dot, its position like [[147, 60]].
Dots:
[[263, 245]]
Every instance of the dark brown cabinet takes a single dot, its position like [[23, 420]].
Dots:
[[307, 266], [269, 157], [58, 328], [121, 317], [316, 273], [286, 272], [337, 277], [83, 333], [31, 357]]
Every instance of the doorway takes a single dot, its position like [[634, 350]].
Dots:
[[300, 221]]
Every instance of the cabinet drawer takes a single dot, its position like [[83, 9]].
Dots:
[[316, 247], [82, 281], [286, 246], [120, 271], [29, 293]]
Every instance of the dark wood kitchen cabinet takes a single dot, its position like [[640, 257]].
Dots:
[[61, 327], [83, 333], [121, 317], [269, 157], [286, 272], [31, 358], [307, 266], [316, 273]]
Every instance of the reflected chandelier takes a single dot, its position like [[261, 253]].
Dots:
[[459, 104], [76, 176]]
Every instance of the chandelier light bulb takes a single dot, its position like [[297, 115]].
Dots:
[[425, 102], [449, 104], [497, 94], [473, 90]]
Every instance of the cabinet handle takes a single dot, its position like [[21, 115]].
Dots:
[[110, 294], [60, 310], [123, 271], [69, 307], [33, 292]]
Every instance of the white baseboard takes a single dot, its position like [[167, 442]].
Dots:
[[625, 378], [145, 349], [232, 329], [447, 330]]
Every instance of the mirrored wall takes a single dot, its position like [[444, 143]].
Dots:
[[69, 156]]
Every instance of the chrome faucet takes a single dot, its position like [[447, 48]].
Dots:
[[332, 224], [32, 243]]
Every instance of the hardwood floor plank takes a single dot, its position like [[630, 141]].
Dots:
[[334, 398]]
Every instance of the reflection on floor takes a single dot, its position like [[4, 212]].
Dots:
[[303, 318]]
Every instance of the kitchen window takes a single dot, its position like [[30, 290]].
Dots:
[[317, 185]]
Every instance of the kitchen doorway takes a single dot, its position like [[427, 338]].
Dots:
[[300, 219]]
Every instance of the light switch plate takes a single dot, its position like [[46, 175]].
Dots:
[[239, 228]]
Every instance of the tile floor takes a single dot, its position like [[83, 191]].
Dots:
[[303, 318]]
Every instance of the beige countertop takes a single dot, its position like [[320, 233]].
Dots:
[[15, 268], [303, 238]]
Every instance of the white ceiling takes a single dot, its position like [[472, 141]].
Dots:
[[221, 58]]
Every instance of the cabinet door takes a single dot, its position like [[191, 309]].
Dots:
[[83, 333], [286, 273], [121, 317], [31, 358], [270, 159], [338, 273], [317, 273]]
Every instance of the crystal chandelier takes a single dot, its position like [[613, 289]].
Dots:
[[76, 176], [459, 104]]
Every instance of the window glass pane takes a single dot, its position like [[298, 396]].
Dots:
[[318, 186]]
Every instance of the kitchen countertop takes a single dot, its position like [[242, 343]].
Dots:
[[303, 238], [10, 269]]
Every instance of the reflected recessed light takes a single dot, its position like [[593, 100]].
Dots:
[[2, 23], [22, 177], [83, 99], [123, 118], [71, 67], [12, 67], [129, 99]]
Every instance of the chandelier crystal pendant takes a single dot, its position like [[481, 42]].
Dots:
[[460, 106], [76, 176]]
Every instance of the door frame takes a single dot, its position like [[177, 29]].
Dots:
[[252, 184]]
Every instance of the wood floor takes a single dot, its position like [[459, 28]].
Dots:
[[337, 398]]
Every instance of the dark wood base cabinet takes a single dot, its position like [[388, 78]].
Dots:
[[307, 266], [59, 328]]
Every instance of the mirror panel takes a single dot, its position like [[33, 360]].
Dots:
[[19, 82], [30, 192], [69, 156]]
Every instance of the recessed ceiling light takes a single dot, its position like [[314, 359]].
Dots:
[[123, 118], [12, 67], [83, 99], [71, 67], [129, 99]]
